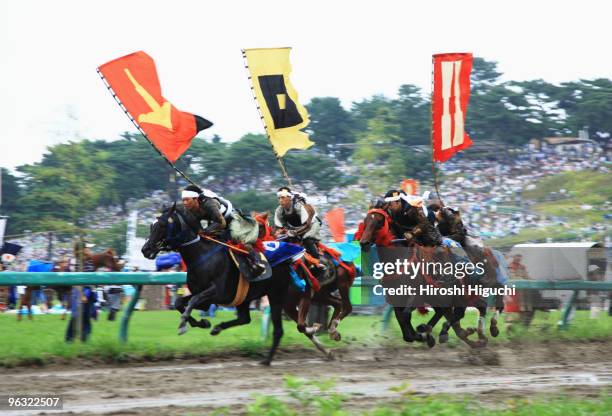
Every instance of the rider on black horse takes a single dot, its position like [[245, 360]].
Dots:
[[223, 217]]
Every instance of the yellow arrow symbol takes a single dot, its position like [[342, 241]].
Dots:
[[161, 115]]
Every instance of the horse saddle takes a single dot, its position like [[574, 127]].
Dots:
[[243, 266]]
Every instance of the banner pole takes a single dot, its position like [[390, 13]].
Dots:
[[281, 163], [433, 160], [172, 165]]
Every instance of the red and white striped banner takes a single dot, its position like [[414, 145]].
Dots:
[[451, 94]]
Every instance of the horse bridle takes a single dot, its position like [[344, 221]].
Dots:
[[171, 242]]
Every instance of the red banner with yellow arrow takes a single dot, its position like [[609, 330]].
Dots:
[[133, 79]]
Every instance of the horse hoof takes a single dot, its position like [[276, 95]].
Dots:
[[443, 339], [335, 336], [265, 363], [216, 331], [494, 331], [431, 341], [204, 323], [423, 328], [182, 329], [330, 356]]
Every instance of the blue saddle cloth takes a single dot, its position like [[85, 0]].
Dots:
[[278, 252]]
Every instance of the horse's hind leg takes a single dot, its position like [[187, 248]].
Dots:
[[493, 328], [482, 322], [290, 309], [302, 313], [499, 308], [277, 323], [344, 286], [244, 318]]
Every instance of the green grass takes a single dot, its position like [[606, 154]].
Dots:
[[153, 336], [317, 397], [592, 188]]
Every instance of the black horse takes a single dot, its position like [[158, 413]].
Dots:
[[214, 278]]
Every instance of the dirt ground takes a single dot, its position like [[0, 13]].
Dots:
[[366, 375]]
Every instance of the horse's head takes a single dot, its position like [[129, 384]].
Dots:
[[265, 231], [169, 232], [374, 229]]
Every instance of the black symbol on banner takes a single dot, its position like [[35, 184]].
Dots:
[[282, 108]]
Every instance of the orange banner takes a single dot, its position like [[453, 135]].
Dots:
[[133, 79], [335, 221], [410, 186]]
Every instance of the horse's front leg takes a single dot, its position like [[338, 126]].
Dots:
[[403, 316], [180, 304], [195, 300]]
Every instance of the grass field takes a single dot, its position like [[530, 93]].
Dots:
[[314, 398], [153, 336], [582, 188]]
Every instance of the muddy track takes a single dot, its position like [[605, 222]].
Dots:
[[364, 374]]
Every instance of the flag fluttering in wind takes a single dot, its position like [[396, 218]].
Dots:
[[282, 113], [133, 79], [451, 94], [335, 222], [410, 186]]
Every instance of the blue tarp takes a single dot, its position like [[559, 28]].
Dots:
[[39, 266], [348, 251]]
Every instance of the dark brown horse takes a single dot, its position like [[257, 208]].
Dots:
[[339, 276], [377, 229]]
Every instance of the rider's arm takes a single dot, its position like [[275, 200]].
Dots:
[[217, 222]]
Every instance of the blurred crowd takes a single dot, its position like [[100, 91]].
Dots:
[[489, 192]]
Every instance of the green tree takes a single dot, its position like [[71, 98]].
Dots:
[[588, 104], [377, 154], [67, 184], [318, 168], [413, 113], [11, 193], [138, 169], [330, 126]]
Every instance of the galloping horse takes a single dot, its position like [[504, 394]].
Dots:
[[376, 229], [340, 277], [214, 278]]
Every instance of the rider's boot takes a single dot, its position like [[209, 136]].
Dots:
[[256, 266]]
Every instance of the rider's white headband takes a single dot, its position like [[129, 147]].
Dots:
[[189, 194], [392, 198], [284, 192]]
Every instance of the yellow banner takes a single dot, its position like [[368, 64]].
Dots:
[[283, 114]]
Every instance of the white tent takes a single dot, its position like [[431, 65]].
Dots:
[[560, 261]]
